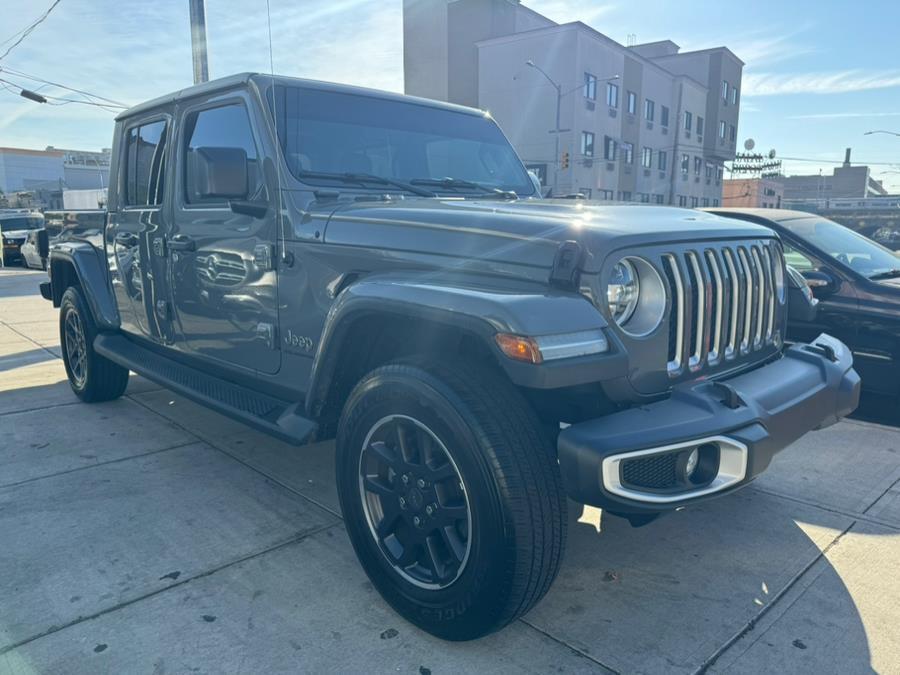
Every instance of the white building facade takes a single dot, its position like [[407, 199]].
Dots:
[[659, 132]]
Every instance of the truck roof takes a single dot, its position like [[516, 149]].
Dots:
[[239, 79]]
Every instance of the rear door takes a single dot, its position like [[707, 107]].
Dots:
[[222, 263], [136, 228]]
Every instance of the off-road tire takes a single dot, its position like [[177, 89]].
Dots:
[[512, 484], [96, 378]]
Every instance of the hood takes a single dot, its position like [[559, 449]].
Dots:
[[525, 231]]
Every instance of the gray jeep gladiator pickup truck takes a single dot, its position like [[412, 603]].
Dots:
[[326, 261]]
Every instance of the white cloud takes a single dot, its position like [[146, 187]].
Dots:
[[833, 82], [564, 11], [842, 115], [763, 49]]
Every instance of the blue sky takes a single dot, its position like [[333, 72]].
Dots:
[[818, 75]]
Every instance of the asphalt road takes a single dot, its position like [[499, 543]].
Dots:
[[149, 535]]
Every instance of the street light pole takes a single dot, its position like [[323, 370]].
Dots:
[[557, 131], [198, 40]]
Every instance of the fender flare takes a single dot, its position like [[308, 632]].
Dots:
[[92, 274], [473, 310]]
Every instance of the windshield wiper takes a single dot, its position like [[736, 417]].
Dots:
[[889, 274], [363, 178], [460, 183]]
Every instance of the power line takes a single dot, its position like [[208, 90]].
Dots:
[[27, 31], [57, 100], [19, 73]]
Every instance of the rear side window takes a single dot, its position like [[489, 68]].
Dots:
[[145, 162], [215, 133]]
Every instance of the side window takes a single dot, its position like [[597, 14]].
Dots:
[[796, 259], [220, 156], [145, 162]]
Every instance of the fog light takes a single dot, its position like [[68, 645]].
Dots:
[[691, 464]]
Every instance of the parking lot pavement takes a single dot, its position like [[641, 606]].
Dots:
[[151, 535]]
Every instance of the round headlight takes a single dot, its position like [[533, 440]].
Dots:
[[636, 296], [622, 291]]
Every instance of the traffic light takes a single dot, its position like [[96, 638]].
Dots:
[[564, 163]]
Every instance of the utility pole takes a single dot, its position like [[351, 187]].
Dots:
[[198, 40]]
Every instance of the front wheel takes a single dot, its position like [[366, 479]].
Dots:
[[92, 377], [451, 496]]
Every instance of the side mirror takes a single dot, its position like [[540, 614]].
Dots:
[[820, 282], [802, 306], [220, 173], [43, 243]]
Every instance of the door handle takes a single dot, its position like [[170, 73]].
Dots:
[[181, 242], [126, 239]]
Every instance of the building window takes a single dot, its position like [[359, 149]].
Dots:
[[587, 143], [698, 165], [647, 157], [685, 163], [720, 171], [722, 130], [632, 103], [625, 195], [659, 198], [734, 96], [725, 90], [663, 160], [644, 197], [715, 202], [732, 133], [664, 116], [628, 151], [607, 195], [705, 201], [590, 87], [688, 120], [709, 171], [699, 125], [694, 202], [649, 109], [609, 149], [612, 95], [682, 200]]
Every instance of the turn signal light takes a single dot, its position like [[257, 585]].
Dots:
[[519, 348]]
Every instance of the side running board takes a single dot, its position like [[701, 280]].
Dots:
[[273, 416]]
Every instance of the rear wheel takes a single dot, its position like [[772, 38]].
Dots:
[[451, 496], [92, 377]]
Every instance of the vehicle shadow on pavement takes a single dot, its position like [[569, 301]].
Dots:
[[673, 595], [25, 358]]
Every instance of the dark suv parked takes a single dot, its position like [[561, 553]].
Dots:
[[320, 260]]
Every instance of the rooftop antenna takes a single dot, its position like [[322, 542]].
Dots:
[[631, 40]]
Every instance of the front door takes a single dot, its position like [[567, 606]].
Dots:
[[136, 229], [222, 263]]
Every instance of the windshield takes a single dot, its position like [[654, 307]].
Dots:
[[325, 132], [846, 246], [21, 223]]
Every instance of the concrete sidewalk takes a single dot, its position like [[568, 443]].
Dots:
[[149, 535]]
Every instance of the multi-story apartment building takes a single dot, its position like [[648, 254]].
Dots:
[[642, 123]]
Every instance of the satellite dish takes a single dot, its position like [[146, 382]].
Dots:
[[772, 153], [749, 144]]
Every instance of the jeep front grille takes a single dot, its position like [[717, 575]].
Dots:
[[724, 303]]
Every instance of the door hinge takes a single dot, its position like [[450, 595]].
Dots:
[[264, 256], [159, 247], [162, 309], [266, 333]]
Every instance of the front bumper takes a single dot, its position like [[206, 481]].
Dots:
[[738, 424]]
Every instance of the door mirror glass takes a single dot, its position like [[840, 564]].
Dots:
[[820, 281], [217, 173], [802, 306], [43, 243]]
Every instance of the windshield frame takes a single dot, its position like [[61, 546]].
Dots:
[[792, 227], [526, 189]]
